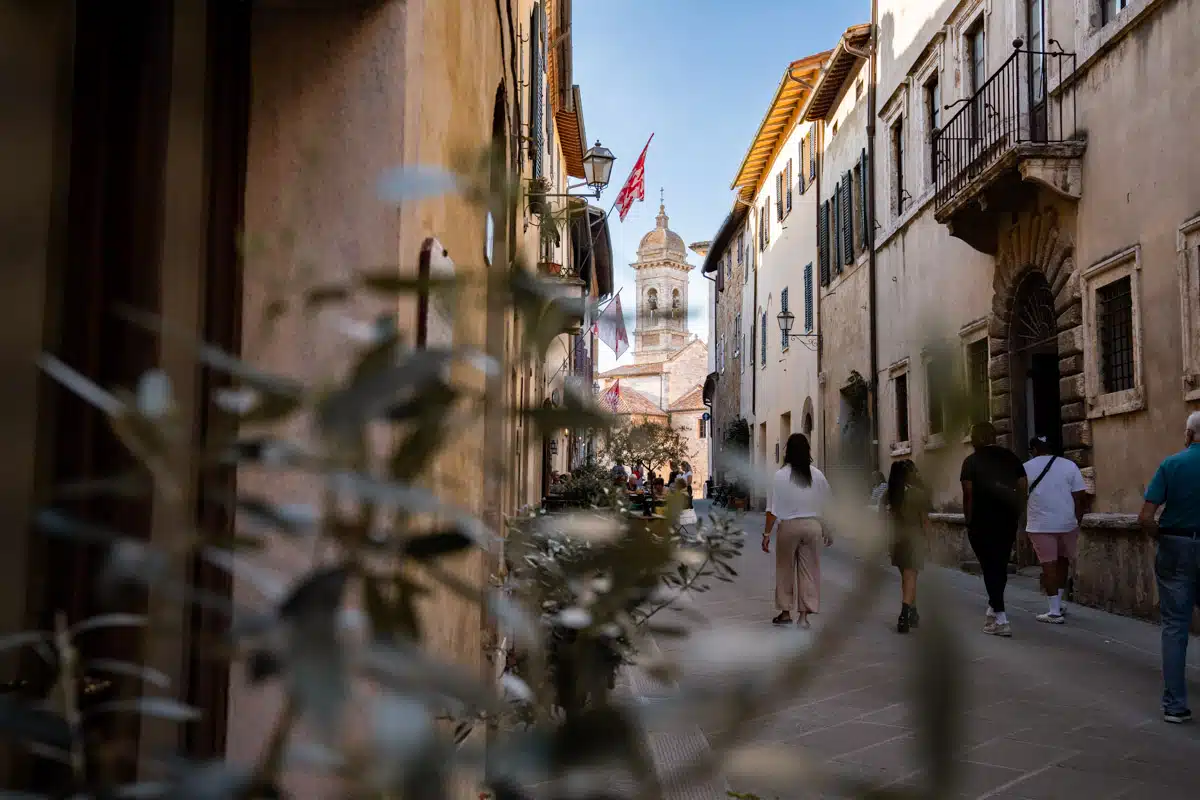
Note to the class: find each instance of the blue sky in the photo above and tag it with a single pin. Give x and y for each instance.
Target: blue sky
(698, 74)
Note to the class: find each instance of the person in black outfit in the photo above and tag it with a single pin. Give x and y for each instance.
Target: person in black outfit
(994, 491)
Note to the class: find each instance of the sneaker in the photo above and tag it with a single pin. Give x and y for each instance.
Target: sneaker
(1177, 717)
(996, 629)
(989, 614)
(783, 619)
(1053, 619)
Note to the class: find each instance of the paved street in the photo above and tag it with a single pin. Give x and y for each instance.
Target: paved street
(1055, 712)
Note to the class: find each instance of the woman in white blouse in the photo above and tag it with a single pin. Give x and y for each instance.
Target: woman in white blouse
(799, 495)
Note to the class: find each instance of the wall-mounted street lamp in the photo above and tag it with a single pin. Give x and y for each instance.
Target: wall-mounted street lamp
(786, 320)
(597, 171)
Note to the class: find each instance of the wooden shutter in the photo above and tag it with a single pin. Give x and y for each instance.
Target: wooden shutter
(536, 125)
(803, 161)
(823, 241)
(767, 224)
(789, 184)
(847, 218)
(779, 195)
(783, 306)
(812, 156)
(865, 217)
(835, 232)
(763, 338)
(720, 277)
(808, 298)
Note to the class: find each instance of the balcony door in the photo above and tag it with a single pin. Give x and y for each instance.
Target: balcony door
(1036, 27)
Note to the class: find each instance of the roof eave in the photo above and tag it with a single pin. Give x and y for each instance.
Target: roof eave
(733, 221)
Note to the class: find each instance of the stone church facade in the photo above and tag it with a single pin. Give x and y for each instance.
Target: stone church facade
(665, 381)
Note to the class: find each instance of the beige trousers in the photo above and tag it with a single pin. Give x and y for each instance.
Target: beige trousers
(798, 563)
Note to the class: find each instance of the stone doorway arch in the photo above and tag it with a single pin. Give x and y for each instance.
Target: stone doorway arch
(1037, 310)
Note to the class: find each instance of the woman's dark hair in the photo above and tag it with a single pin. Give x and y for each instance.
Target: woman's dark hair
(897, 483)
(798, 455)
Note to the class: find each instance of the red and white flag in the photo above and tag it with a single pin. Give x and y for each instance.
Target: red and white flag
(612, 396)
(611, 327)
(635, 184)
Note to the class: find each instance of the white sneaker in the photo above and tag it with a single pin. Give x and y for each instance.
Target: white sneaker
(1052, 619)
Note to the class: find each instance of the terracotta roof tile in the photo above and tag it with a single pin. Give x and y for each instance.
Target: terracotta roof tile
(692, 401)
(634, 402)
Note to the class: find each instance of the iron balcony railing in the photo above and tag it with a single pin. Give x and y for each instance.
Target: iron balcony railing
(1012, 107)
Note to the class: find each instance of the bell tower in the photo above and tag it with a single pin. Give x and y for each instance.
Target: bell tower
(661, 282)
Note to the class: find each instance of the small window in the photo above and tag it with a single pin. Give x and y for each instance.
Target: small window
(898, 167)
(935, 387)
(783, 307)
(737, 335)
(1110, 8)
(1114, 307)
(700, 432)
(933, 118)
(788, 180)
(976, 57)
(977, 380)
(741, 248)
(901, 391)
(779, 196)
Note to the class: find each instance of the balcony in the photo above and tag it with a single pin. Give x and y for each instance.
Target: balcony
(1009, 139)
(564, 283)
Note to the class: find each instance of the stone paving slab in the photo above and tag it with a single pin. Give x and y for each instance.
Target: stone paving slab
(1055, 712)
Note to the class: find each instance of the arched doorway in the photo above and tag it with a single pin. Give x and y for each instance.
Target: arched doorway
(1033, 364)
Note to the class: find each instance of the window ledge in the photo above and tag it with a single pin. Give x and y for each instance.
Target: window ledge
(934, 441)
(901, 449)
(1116, 403)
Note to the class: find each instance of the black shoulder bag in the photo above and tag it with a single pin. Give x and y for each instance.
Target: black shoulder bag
(1042, 474)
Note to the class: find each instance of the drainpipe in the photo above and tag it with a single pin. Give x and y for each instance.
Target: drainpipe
(873, 53)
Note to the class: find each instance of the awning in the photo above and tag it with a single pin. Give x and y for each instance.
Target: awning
(592, 250)
(731, 225)
(710, 388)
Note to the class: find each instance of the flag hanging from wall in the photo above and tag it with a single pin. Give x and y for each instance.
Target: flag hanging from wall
(612, 396)
(610, 327)
(635, 184)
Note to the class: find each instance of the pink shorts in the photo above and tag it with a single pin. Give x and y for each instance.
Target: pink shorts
(1053, 546)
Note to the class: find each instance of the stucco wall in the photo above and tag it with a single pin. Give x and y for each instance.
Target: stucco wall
(686, 370)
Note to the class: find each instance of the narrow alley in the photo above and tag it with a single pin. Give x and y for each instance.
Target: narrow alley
(1055, 712)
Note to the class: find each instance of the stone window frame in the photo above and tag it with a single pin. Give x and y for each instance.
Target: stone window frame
(973, 14)
(932, 67)
(897, 116)
(968, 335)
(1188, 252)
(900, 368)
(1126, 263)
(929, 440)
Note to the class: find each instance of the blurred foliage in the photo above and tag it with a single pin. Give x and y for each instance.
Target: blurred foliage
(347, 638)
(590, 486)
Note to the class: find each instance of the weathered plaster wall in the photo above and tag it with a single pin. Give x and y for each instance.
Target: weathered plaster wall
(728, 398)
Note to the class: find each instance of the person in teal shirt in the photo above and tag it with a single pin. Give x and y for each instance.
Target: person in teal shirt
(1176, 488)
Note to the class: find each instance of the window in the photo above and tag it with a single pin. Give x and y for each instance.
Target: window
(700, 428)
(1114, 309)
(935, 395)
(835, 231)
(976, 58)
(783, 306)
(977, 380)
(728, 259)
(803, 160)
(898, 167)
(788, 181)
(741, 247)
(1112, 342)
(763, 338)
(847, 219)
(900, 383)
(865, 234)
(737, 335)
(779, 196)
(812, 157)
(1188, 246)
(721, 354)
(750, 352)
(766, 225)
(1110, 8)
(823, 241)
(748, 357)
(933, 119)
(808, 298)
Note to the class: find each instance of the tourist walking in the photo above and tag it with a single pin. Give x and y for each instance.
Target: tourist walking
(993, 486)
(797, 500)
(879, 489)
(908, 507)
(1176, 486)
(687, 479)
(1057, 500)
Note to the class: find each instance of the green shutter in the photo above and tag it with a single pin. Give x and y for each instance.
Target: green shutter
(865, 217)
(847, 219)
(823, 241)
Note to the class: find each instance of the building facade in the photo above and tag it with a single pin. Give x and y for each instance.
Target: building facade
(776, 182)
(1019, 242)
(154, 135)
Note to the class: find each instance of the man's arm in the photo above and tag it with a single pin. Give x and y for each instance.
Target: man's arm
(1156, 496)
(1147, 518)
(966, 489)
(1081, 503)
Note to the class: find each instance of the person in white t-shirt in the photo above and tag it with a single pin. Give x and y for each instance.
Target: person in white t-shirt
(799, 495)
(1057, 499)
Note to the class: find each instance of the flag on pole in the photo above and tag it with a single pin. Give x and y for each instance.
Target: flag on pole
(612, 396)
(635, 184)
(611, 327)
